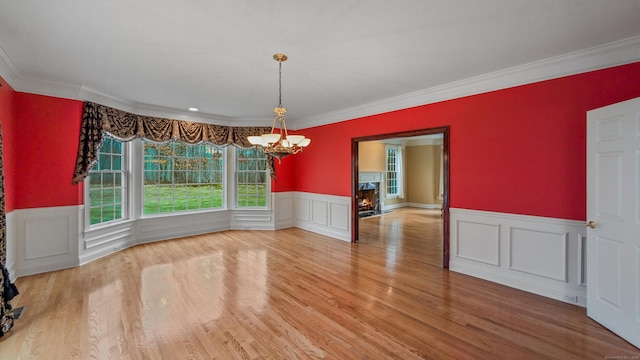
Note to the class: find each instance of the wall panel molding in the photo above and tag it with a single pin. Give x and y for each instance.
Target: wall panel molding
(284, 209)
(152, 229)
(328, 215)
(541, 255)
(478, 242)
(46, 239)
(526, 246)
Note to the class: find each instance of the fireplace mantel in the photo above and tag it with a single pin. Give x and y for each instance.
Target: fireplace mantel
(369, 176)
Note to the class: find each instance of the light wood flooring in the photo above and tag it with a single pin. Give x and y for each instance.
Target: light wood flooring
(412, 231)
(290, 294)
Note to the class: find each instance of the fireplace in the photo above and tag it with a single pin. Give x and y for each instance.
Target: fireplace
(369, 194)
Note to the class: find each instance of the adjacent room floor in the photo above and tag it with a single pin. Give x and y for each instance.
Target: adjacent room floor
(407, 230)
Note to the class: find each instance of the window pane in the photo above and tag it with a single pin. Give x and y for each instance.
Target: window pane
(106, 183)
(180, 150)
(107, 197)
(95, 216)
(95, 197)
(107, 180)
(104, 162)
(117, 163)
(182, 177)
(106, 146)
(251, 177)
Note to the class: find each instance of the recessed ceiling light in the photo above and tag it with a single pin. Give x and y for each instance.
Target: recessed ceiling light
(193, 109)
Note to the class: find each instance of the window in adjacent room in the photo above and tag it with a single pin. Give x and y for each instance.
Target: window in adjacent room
(394, 176)
(106, 192)
(252, 178)
(182, 177)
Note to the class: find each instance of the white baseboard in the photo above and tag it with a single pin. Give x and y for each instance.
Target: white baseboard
(425, 206)
(535, 254)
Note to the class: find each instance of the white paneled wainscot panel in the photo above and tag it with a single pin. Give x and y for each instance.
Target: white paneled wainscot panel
(328, 215)
(46, 239)
(283, 209)
(11, 245)
(478, 241)
(528, 246)
(154, 228)
(541, 255)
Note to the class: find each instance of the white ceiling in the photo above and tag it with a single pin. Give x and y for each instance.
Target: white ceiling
(346, 58)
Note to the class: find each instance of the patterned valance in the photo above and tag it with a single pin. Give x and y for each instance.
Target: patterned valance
(98, 119)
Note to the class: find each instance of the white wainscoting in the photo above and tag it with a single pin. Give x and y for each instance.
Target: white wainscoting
(157, 228)
(283, 207)
(328, 215)
(541, 255)
(46, 239)
(105, 240)
(11, 245)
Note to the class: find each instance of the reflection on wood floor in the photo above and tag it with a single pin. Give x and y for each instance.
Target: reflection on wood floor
(289, 294)
(405, 230)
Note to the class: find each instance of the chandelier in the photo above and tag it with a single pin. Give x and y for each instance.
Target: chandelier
(278, 143)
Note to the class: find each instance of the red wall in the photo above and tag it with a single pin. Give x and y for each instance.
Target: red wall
(520, 150)
(8, 121)
(46, 144)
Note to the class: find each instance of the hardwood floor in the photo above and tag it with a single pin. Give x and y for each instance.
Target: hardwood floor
(408, 230)
(289, 294)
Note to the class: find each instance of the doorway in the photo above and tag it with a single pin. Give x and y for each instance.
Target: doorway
(359, 203)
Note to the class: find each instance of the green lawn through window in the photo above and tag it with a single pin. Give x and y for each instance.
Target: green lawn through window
(160, 199)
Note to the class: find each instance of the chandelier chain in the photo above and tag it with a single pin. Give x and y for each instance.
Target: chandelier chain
(280, 83)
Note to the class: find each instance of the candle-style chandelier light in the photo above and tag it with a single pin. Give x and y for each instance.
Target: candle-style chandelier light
(278, 143)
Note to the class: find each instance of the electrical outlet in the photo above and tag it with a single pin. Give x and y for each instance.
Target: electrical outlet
(570, 298)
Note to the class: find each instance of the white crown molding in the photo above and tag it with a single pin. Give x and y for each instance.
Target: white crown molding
(163, 111)
(45, 87)
(600, 57)
(8, 70)
(612, 54)
(88, 94)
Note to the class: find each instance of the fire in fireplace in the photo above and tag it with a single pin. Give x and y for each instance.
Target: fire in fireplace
(368, 198)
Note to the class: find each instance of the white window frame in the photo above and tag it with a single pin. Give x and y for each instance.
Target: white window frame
(125, 193)
(236, 187)
(395, 172)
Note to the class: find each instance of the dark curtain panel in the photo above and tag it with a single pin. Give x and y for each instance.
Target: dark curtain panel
(91, 130)
(6, 316)
(97, 119)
